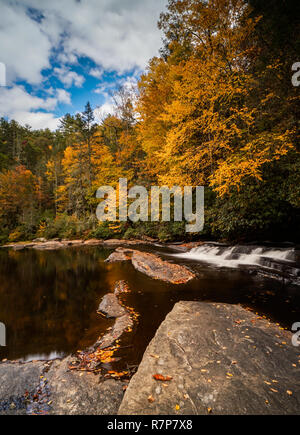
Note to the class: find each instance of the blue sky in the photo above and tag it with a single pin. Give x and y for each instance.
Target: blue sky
(61, 54)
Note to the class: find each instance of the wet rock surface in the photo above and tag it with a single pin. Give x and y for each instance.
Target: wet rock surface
(117, 256)
(222, 359)
(153, 266)
(157, 268)
(110, 306)
(120, 326)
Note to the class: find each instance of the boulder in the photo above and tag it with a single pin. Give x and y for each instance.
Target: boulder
(79, 392)
(17, 380)
(111, 307)
(156, 268)
(153, 266)
(216, 359)
(116, 256)
(120, 326)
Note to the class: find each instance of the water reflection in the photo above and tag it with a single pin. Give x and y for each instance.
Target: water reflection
(48, 300)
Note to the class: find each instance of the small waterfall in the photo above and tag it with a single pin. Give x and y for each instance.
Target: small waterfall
(282, 260)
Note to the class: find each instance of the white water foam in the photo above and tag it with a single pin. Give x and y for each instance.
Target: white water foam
(234, 256)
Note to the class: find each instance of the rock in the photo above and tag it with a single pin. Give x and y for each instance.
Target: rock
(111, 307)
(69, 392)
(17, 379)
(149, 239)
(119, 242)
(223, 359)
(117, 256)
(120, 326)
(157, 268)
(40, 240)
(72, 242)
(75, 392)
(184, 247)
(51, 245)
(153, 266)
(121, 287)
(114, 242)
(93, 242)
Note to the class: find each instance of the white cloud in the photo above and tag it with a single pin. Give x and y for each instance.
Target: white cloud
(37, 120)
(96, 72)
(117, 35)
(104, 110)
(63, 96)
(24, 48)
(68, 77)
(16, 103)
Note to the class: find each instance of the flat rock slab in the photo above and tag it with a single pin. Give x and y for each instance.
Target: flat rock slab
(69, 392)
(156, 268)
(152, 265)
(223, 359)
(16, 380)
(82, 393)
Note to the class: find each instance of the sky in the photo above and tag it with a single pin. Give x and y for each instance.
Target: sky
(59, 54)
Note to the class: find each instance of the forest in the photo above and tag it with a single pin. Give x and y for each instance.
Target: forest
(217, 108)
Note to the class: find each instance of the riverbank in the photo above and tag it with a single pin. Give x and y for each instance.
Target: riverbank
(205, 358)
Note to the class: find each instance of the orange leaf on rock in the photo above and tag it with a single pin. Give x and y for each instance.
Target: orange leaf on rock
(162, 378)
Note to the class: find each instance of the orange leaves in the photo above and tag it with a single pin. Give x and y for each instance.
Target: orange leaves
(19, 190)
(162, 378)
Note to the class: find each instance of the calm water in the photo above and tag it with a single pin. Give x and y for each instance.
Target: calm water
(48, 300)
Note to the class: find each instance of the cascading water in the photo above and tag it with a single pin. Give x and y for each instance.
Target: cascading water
(283, 261)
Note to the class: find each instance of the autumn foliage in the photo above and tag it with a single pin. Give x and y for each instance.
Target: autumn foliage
(216, 108)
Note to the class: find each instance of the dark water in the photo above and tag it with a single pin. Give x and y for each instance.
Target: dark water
(48, 300)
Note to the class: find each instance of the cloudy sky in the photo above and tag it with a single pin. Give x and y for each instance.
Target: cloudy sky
(61, 53)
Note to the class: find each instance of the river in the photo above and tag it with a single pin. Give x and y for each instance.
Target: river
(49, 299)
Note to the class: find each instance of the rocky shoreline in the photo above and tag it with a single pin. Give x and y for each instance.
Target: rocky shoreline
(77, 384)
(43, 244)
(206, 358)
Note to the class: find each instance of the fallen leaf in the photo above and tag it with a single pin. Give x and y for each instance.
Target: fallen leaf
(289, 392)
(162, 378)
(155, 356)
(151, 399)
